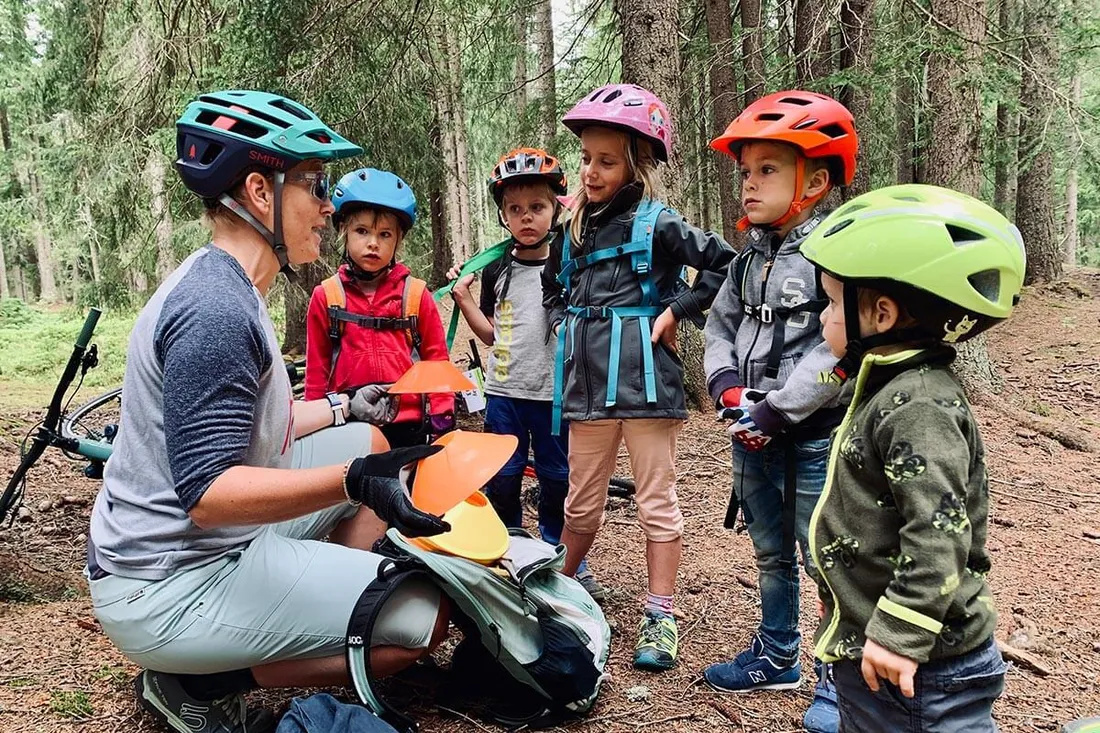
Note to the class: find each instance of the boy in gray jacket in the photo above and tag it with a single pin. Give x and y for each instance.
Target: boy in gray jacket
(764, 355)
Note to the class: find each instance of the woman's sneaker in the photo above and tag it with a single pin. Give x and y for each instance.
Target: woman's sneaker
(162, 696)
(658, 642)
(594, 587)
(753, 670)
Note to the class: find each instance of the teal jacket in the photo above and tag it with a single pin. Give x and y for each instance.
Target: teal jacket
(899, 532)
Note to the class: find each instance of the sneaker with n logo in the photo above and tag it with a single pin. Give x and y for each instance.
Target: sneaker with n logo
(752, 670)
(162, 696)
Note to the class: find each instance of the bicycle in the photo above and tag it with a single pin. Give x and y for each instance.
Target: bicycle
(87, 432)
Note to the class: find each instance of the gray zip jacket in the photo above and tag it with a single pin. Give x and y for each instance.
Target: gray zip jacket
(739, 345)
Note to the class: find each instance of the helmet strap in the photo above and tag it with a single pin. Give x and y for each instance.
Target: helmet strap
(274, 239)
(859, 345)
(798, 205)
(361, 275)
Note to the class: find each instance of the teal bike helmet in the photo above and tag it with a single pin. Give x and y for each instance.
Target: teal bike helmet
(223, 136)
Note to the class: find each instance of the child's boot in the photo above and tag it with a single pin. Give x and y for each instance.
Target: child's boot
(753, 670)
(823, 716)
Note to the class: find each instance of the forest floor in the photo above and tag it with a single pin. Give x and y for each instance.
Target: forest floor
(58, 672)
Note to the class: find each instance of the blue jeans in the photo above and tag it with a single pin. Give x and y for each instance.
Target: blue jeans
(950, 695)
(530, 421)
(758, 482)
(322, 713)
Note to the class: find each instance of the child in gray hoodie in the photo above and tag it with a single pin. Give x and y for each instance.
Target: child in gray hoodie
(764, 357)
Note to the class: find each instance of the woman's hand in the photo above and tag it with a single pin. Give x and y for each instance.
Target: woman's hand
(664, 330)
(374, 480)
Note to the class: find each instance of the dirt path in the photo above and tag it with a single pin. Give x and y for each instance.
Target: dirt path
(59, 673)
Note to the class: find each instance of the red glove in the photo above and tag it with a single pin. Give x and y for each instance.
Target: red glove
(740, 397)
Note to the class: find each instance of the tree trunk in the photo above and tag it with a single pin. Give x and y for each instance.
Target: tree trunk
(442, 253)
(723, 95)
(857, 18)
(752, 50)
(1004, 167)
(162, 217)
(784, 11)
(454, 58)
(522, 15)
(545, 85)
(1072, 234)
(4, 291)
(1035, 189)
(93, 247)
(706, 157)
(296, 295)
(43, 247)
(954, 153)
(811, 41)
(651, 58)
(906, 131)
(448, 123)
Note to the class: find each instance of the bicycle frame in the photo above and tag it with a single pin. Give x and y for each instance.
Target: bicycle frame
(82, 358)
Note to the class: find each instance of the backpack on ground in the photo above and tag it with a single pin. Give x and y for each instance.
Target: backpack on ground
(533, 637)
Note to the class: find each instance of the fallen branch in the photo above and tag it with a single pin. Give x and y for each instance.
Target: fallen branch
(1025, 659)
(1069, 437)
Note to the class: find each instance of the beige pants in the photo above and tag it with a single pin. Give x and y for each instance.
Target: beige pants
(651, 444)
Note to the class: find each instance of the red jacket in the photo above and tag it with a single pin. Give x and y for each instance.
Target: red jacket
(370, 356)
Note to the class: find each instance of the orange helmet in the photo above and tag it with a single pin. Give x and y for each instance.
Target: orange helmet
(817, 125)
(526, 164)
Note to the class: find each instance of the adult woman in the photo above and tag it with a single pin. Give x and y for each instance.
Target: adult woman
(204, 561)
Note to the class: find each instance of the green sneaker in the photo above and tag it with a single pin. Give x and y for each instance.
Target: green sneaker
(658, 642)
(162, 696)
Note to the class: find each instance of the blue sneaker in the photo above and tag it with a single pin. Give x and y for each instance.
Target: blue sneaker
(823, 716)
(753, 670)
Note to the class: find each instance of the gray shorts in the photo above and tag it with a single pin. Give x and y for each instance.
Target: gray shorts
(285, 596)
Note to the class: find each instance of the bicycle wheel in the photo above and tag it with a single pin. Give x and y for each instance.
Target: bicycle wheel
(96, 420)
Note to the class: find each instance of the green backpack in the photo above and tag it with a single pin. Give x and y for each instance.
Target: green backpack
(541, 635)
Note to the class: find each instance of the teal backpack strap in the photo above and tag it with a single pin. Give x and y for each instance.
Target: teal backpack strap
(477, 263)
(559, 352)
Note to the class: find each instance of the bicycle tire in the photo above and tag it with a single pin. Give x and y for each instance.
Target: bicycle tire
(73, 418)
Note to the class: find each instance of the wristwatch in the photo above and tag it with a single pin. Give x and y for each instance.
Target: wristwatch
(337, 408)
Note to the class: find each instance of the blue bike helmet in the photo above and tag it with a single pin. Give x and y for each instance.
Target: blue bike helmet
(222, 136)
(372, 188)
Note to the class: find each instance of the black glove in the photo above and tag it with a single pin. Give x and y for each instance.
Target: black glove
(374, 480)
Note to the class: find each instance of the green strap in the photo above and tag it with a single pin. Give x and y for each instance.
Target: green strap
(477, 263)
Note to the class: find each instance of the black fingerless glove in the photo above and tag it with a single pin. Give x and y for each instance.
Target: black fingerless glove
(374, 480)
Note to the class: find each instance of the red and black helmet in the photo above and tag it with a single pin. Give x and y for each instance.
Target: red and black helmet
(526, 165)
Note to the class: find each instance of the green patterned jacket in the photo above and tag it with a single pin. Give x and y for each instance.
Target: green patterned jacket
(899, 532)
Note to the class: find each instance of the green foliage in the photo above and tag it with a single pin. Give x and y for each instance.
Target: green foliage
(35, 349)
(71, 704)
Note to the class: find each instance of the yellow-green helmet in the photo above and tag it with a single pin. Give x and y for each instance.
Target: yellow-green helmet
(954, 263)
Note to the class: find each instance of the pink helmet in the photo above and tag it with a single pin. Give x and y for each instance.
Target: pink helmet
(628, 107)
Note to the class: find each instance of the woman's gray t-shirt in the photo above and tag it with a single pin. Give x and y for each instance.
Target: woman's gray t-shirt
(205, 390)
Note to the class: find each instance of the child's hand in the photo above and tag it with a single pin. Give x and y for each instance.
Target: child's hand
(820, 609)
(452, 274)
(879, 661)
(461, 290)
(664, 330)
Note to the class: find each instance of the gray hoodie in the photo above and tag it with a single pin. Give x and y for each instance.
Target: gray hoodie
(738, 345)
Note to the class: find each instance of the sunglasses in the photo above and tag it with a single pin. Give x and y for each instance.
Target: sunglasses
(318, 180)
